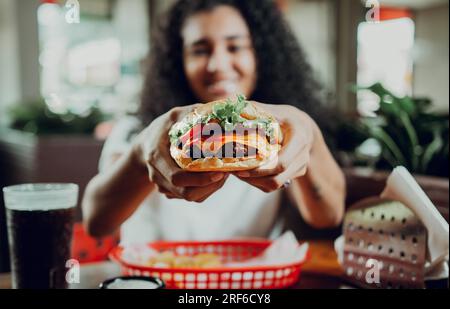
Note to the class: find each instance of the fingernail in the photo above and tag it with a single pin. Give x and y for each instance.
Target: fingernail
(217, 177)
(243, 174)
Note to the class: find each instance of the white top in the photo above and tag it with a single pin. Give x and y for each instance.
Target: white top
(236, 210)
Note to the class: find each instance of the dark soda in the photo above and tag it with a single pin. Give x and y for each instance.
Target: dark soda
(40, 242)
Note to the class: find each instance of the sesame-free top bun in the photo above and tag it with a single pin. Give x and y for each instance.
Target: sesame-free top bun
(211, 164)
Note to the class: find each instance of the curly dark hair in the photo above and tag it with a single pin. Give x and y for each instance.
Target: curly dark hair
(284, 76)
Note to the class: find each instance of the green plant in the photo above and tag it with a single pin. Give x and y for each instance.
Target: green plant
(36, 117)
(408, 133)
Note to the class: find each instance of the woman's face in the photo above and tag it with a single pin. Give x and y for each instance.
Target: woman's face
(219, 60)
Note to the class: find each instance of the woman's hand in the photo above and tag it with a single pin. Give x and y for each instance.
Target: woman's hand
(293, 158)
(152, 148)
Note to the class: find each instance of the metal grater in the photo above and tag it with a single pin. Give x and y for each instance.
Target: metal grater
(384, 235)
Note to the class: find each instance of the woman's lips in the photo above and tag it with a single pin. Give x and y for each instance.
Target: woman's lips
(223, 87)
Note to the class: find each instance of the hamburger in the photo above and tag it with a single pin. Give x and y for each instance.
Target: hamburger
(227, 135)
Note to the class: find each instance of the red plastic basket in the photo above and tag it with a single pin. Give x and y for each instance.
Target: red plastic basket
(267, 277)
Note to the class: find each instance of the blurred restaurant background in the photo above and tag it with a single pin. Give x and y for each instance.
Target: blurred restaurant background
(64, 81)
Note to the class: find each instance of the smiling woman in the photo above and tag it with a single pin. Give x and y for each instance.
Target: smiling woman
(217, 50)
(219, 59)
(224, 47)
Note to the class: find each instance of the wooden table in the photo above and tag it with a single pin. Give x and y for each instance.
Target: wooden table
(322, 271)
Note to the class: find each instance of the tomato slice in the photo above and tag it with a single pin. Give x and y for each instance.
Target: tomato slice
(194, 132)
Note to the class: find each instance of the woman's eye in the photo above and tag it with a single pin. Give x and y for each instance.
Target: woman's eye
(235, 48)
(200, 52)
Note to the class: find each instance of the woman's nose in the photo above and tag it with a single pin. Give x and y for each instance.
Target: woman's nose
(219, 61)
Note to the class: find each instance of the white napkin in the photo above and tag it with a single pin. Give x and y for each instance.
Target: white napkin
(402, 187)
(284, 250)
(138, 254)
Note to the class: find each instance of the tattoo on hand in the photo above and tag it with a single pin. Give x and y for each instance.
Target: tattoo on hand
(317, 191)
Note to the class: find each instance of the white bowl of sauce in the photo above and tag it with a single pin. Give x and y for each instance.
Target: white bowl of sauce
(133, 282)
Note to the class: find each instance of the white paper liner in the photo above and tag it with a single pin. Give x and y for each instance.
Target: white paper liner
(284, 250)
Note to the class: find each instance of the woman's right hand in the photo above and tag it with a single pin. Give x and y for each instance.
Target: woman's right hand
(152, 149)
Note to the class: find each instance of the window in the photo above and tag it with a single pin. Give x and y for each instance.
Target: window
(94, 62)
(385, 55)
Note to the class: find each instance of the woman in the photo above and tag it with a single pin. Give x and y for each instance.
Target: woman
(208, 50)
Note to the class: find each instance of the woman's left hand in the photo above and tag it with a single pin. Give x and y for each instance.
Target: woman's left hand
(293, 158)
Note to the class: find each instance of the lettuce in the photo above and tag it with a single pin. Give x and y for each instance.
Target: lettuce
(228, 113)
